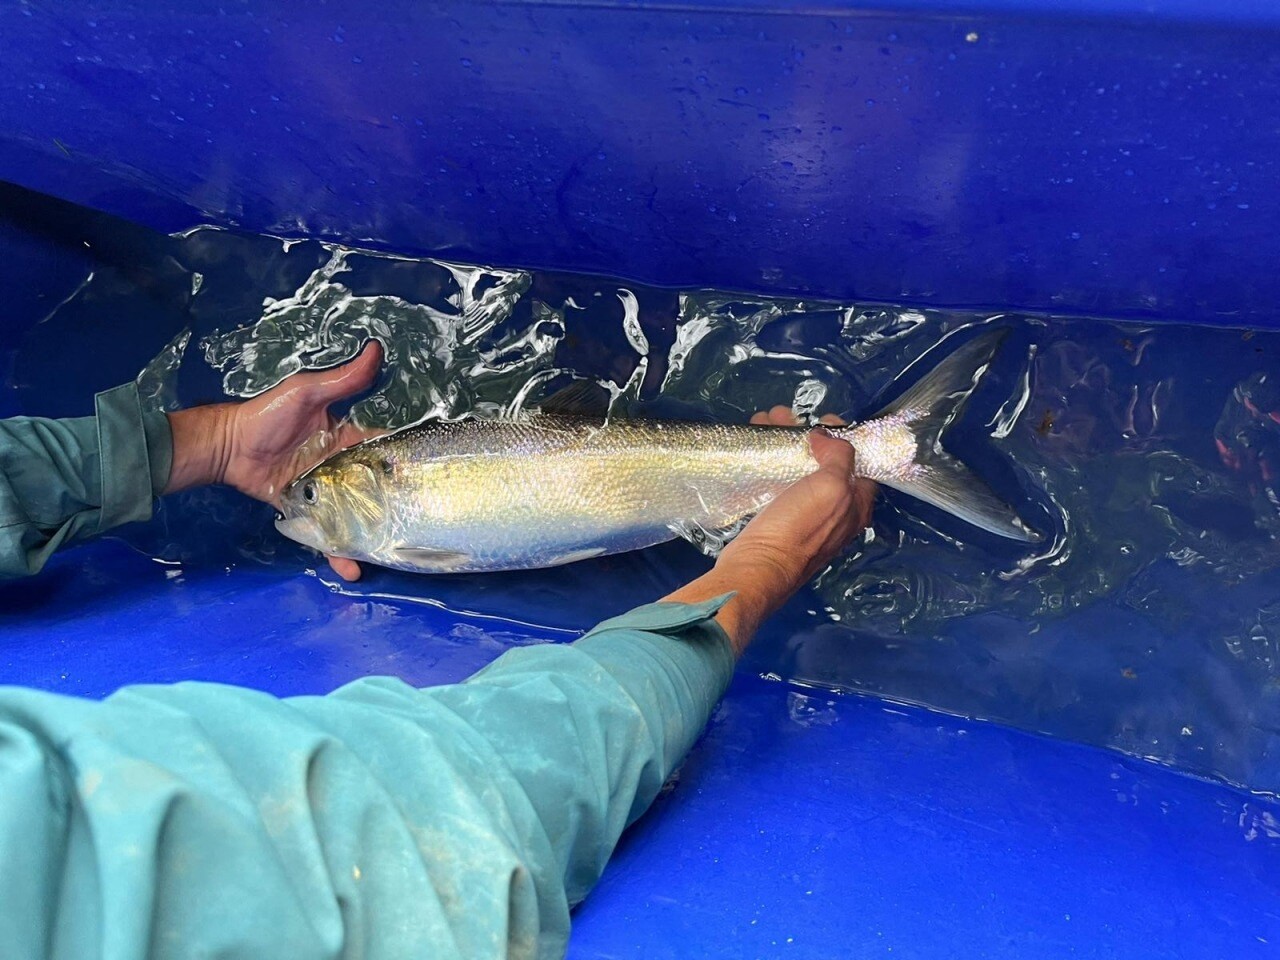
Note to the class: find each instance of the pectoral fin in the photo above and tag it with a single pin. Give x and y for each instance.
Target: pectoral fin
(429, 559)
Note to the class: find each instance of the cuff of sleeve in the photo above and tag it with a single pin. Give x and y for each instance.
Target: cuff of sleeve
(679, 641)
(126, 442)
(662, 616)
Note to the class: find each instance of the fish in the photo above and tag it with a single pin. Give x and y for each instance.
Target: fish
(562, 484)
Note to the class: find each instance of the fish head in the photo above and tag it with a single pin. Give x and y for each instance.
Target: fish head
(339, 506)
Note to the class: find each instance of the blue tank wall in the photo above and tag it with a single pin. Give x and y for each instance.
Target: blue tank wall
(1097, 158)
(1112, 157)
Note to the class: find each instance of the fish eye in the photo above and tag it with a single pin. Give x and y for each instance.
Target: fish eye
(309, 492)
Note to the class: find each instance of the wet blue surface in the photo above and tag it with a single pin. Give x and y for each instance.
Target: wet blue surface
(1103, 157)
(811, 827)
(1147, 622)
(1110, 157)
(103, 615)
(803, 824)
(1147, 625)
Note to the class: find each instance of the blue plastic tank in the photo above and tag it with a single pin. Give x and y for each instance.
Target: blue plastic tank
(1085, 162)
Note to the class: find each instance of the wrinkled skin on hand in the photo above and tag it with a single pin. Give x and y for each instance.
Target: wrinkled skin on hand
(797, 534)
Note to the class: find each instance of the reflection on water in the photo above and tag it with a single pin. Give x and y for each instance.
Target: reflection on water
(449, 351)
(1148, 619)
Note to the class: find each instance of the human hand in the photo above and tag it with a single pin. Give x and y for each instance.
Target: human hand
(802, 530)
(284, 432)
(811, 522)
(259, 446)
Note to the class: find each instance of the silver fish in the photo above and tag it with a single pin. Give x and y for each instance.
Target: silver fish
(551, 488)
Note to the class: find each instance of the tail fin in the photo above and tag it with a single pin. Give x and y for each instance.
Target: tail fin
(929, 407)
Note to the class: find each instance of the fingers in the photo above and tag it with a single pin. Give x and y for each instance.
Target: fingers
(348, 570)
(778, 416)
(831, 453)
(783, 416)
(348, 379)
(836, 457)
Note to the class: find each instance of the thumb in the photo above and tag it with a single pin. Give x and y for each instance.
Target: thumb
(831, 452)
(350, 378)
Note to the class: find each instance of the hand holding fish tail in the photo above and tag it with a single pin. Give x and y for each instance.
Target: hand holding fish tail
(806, 527)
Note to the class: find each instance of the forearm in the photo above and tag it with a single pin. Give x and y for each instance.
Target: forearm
(786, 545)
(233, 824)
(760, 586)
(592, 730)
(201, 447)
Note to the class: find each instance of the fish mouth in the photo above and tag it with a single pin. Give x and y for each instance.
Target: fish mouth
(302, 530)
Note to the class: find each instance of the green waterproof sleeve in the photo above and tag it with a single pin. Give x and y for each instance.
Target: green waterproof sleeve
(66, 480)
(378, 821)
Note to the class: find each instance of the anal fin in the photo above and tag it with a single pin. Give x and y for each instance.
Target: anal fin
(588, 553)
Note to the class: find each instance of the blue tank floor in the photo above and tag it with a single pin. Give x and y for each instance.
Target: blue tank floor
(802, 824)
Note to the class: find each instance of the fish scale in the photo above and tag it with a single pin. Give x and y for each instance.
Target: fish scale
(565, 487)
(547, 489)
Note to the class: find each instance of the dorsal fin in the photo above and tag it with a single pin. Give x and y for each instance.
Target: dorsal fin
(582, 398)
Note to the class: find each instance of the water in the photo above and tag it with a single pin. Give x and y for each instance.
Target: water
(1148, 619)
